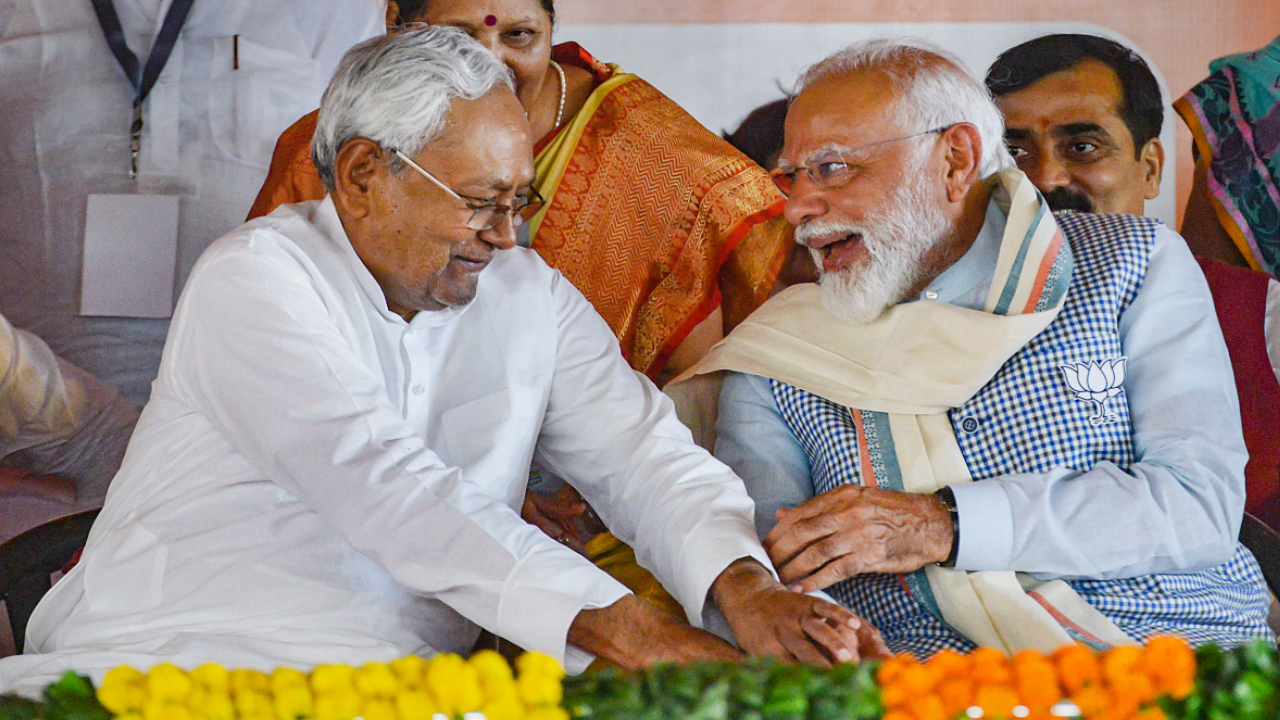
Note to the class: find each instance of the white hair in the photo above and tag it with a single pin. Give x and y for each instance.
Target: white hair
(396, 91)
(931, 94)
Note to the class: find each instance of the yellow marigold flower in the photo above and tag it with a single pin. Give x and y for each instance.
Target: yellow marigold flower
(454, 684)
(535, 690)
(338, 705)
(130, 716)
(210, 705)
(416, 705)
(503, 708)
(211, 677)
(168, 682)
(165, 710)
(333, 678)
(536, 663)
(378, 709)
(410, 670)
(259, 716)
(287, 678)
(248, 681)
(547, 713)
(376, 680)
(252, 702)
(293, 703)
(123, 690)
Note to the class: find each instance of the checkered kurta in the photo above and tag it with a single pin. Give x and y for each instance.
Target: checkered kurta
(1026, 420)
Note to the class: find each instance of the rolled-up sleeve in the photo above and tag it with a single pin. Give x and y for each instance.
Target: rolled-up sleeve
(611, 433)
(264, 361)
(1178, 508)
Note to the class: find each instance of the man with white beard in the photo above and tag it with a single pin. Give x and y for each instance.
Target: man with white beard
(961, 332)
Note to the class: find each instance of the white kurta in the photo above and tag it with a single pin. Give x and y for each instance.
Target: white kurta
(316, 480)
(241, 72)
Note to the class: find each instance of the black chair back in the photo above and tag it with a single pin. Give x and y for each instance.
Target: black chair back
(28, 561)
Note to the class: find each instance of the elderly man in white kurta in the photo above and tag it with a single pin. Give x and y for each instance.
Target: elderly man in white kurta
(351, 394)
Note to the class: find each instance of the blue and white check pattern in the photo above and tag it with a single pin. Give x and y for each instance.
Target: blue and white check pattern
(1027, 420)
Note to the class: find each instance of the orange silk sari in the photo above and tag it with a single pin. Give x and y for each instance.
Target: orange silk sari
(654, 218)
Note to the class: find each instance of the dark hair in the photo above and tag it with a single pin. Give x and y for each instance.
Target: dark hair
(412, 10)
(759, 137)
(1141, 108)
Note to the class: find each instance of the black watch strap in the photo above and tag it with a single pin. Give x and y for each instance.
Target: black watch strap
(948, 498)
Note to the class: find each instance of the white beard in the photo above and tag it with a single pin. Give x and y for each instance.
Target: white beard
(897, 236)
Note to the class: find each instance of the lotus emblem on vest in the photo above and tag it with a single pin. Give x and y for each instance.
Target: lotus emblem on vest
(1097, 382)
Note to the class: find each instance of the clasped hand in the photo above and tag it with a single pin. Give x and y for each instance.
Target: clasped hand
(853, 530)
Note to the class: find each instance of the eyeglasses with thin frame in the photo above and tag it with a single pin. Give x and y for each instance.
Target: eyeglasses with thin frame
(490, 214)
(828, 169)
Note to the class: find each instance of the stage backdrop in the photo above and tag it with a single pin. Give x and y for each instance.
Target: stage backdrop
(721, 58)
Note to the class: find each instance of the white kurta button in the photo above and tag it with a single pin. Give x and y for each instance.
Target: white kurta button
(930, 295)
(418, 389)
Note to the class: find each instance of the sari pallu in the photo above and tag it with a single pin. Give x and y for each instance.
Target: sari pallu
(654, 218)
(1234, 118)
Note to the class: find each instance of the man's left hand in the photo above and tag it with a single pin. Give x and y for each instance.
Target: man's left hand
(852, 530)
(768, 619)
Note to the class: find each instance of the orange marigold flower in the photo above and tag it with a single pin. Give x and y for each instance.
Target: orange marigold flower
(897, 715)
(988, 666)
(1077, 666)
(956, 694)
(893, 667)
(928, 707)
(1136, 688)
(894, 696)
(915, 680)
(1171, 664)
(996, 700)
(1119, 662)
(1092, 700)
(1036, 679)
(948, 663)
(1152, 713)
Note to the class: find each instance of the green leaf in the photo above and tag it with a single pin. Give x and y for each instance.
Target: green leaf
(13, 707)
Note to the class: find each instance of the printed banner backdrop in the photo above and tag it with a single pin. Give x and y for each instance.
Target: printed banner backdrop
(1181, 36)
(719, 72)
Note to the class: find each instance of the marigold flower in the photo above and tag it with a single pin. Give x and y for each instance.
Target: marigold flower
(948, 663)
(894, 696)
(1120, 662)
(337, 705)
(503, 708)
(1036, 679)
(376, 680)
(536, 663)
(454, 684)
(915, 680)
(287, 678)
(213, 678)
(897, 715)
(208, 704)
(333, 678)
(927, 707)
(168, 682)
(165, 710)
(253, 702)
(416, 705)
(293, 702)
(378, 708)
(1077, 667)
(1133, 689)
(1092, 699)
(409, 671)
(956, 694)
(996, 700)
(1171, 663)
(893, 667)
(249, 681)
(123, 690)
(989, 666)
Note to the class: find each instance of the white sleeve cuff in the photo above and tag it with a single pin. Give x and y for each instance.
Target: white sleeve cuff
(986, 526)
(535, 613)
(708, 550)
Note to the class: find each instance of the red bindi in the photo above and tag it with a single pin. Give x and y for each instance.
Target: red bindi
(490, 20)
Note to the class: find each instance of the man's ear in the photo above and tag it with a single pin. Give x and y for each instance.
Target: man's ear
(963, 154)
(358, 162)
(393, 14)
(1152, 159)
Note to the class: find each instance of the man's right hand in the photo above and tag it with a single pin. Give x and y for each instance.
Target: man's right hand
(633, 634)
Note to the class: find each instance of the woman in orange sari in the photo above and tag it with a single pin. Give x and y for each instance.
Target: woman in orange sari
(655, 219)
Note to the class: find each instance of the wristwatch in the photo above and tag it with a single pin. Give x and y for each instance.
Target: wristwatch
(948, 498)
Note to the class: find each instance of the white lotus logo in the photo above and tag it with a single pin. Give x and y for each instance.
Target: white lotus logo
(1097, 382)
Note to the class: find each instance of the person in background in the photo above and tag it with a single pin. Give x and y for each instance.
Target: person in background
(1082, 119)
(1232, 222)
(239, 73)
(331, 464)
(982, 427)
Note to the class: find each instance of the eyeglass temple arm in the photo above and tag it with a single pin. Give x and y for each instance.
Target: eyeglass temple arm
(428, 175)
